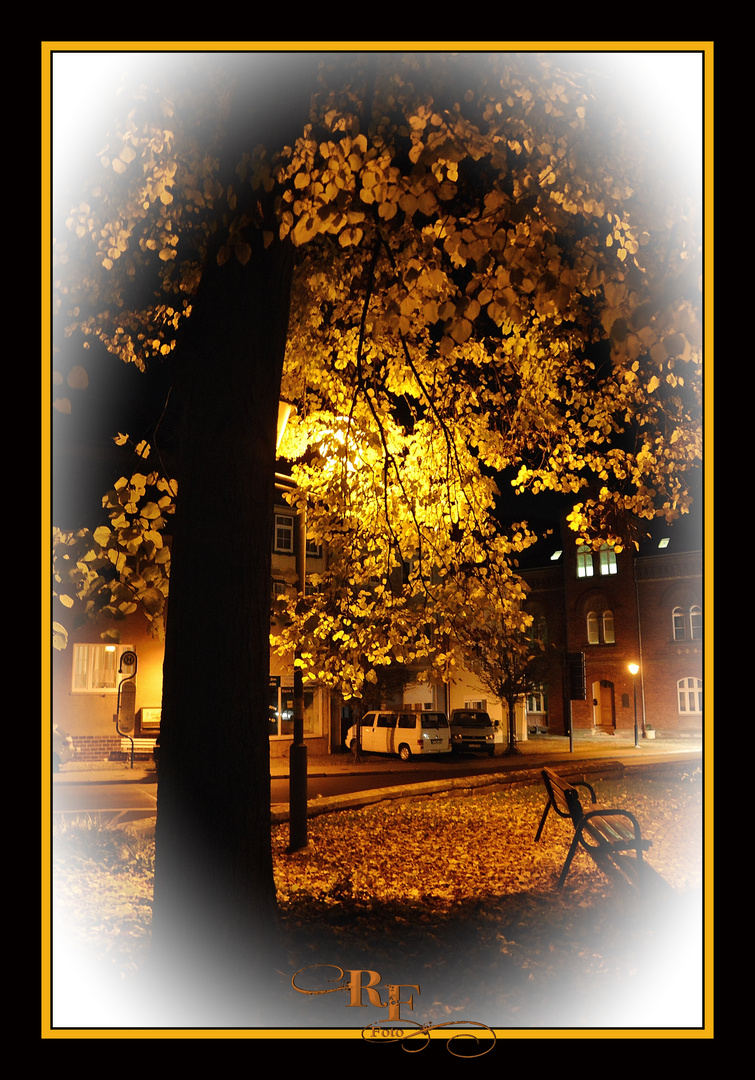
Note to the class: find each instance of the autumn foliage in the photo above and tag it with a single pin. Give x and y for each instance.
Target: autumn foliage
(471, 275)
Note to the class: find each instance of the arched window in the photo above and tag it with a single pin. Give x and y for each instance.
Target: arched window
(584, 561)
(600, 629)
(538, 630)
(687, 624)
(690, 693)
(608, 563)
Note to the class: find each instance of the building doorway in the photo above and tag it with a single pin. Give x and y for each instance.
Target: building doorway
(603, 705)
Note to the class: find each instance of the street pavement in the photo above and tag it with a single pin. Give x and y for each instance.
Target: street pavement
(596, 752)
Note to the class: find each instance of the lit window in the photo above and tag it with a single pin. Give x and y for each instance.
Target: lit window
(600, 628)
(284, 533)
(95, 668)
(281, 710)
(480, 706)
(690, 696)
(584, 561)
(537, 701)
(607, 560)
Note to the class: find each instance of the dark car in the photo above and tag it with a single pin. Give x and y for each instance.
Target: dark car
(472, 729)
(62, 747)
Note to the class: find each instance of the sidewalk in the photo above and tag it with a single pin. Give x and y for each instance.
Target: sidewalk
(534, 752)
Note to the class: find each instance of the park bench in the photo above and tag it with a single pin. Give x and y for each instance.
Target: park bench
(141, 746)
(603, 832)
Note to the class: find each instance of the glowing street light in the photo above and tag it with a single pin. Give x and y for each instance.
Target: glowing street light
(297, 784)
(634, 668)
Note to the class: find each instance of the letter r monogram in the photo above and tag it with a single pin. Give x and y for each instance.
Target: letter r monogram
(356, 988)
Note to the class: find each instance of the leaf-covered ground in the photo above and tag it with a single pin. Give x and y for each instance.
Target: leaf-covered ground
(453, 895)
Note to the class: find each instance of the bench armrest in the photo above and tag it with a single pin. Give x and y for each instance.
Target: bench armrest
(584, 784)
(602, 813)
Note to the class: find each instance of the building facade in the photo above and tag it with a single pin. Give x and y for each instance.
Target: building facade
(611, 609)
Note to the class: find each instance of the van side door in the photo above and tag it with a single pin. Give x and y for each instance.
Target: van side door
(367, 733)
(385, 732)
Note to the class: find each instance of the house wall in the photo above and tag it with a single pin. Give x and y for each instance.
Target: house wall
(642, 596)
(663, 585)
(88, 716)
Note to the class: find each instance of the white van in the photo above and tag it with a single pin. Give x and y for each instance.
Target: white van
(402, 733)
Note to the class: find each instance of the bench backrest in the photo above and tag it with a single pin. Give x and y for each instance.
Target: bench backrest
(564, 798)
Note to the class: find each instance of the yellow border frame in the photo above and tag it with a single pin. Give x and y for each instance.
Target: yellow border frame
(48, 48)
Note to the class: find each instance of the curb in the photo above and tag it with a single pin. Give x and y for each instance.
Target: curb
(609, 768)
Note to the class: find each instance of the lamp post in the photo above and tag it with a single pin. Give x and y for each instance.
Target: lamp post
(297, 783)
(634, 668)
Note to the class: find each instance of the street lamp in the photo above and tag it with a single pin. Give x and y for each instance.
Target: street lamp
(634, 668)
(297, 783)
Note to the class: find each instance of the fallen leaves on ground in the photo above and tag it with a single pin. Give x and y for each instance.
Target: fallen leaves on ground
(453, 894)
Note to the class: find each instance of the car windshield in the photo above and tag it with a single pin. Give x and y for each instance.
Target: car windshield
(472, 720)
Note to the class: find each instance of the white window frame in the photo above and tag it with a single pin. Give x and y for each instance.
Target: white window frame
(600, 628)
(91, 659)
(608, 564)
(690, 696)
(314, 550)
(584, 561)
(284, 525)
(537, 702)
(687, 625)
(477, 706)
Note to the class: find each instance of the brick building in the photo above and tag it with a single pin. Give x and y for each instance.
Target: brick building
(613, 609)
(616, 609)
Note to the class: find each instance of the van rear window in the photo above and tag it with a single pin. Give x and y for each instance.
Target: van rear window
(434, 720)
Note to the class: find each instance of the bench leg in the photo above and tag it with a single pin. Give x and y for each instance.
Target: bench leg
(542, 821)
(567, 864)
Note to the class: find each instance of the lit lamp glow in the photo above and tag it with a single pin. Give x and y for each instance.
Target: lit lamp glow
(297, 784)
(634, 668)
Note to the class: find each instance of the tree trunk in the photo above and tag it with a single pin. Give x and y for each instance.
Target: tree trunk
(511, 748)
(214, 924)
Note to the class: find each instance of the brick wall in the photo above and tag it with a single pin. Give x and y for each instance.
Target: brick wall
(96, 747)
(641, 597)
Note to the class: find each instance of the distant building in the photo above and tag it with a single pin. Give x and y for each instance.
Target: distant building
(609, 610)
(613, 609)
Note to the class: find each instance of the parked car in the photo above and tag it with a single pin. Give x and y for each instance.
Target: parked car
(62, 747)
(472, 729)
(402, 733)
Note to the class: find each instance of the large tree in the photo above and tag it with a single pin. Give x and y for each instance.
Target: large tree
(459, 267)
